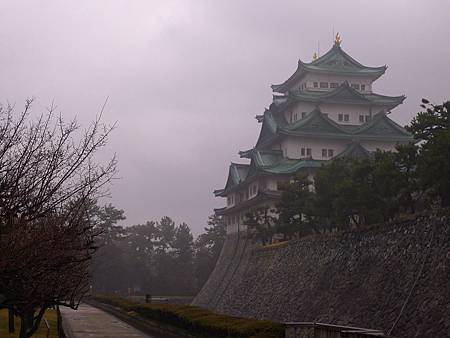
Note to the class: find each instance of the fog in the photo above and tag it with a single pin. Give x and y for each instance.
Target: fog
(184, 79)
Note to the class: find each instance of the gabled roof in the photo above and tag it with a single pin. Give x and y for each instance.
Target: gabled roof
(270, 124)
(237, 173)
(335, 61)
(343, 94)
(354, 150)
(313, 124)
(382, 126)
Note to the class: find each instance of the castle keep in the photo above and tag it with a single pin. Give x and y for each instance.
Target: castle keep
(325, 109)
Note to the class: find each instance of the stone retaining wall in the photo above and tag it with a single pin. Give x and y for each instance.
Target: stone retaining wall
(374, 277)
(208, 292)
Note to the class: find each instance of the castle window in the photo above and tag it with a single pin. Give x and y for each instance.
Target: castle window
(327, 153)
(363, 87)
(340, 117)
(308, 151)
(346, 117)
(316, 85)
(355, 86)
(334, 85)
(324, 85)
(361, 118)
(303, 115)
(302, 152)
(279, 185)
(295, 116)
(367, 118)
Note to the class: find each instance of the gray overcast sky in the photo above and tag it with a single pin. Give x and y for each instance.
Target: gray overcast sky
(186, 78)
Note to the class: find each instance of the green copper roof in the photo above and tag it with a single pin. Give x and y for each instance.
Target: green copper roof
(314, 123)
(270, 125)
(382, 126)
(265, 162)
(354, 150)
(343, 94)
(288, 166)
(262, 195)
(237, 173)
(335, 61)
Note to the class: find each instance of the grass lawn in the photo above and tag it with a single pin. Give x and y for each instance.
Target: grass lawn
(50, 315)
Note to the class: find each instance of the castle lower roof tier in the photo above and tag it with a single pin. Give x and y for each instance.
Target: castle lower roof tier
(272, 162)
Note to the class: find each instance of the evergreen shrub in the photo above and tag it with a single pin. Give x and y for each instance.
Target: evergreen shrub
(198, 321)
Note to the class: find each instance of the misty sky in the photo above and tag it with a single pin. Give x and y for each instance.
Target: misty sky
(186, 78)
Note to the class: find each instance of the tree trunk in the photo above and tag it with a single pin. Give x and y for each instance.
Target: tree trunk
(26, 322)
(29, 323)
(11, 327)
(445, 199)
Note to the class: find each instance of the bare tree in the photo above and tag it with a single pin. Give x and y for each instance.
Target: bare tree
(48, 178)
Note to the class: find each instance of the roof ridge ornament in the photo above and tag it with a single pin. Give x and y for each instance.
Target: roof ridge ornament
(337, 40)
(315, 56)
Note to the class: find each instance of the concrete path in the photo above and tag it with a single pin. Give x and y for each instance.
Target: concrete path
(90, 322)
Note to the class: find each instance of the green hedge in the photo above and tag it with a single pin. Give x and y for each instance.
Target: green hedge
(198, 321)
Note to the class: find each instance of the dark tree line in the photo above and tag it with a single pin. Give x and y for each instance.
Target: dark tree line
(158, 258)
(351, 192)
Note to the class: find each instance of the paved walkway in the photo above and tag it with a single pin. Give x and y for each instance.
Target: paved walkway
(90, 322)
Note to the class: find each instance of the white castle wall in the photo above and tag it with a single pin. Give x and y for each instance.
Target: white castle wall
(292, 146)
(309, 80)
(299, 108)
(333, 111)
(354, 111)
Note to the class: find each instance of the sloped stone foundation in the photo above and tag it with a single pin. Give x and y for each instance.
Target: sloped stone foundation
(394, 276)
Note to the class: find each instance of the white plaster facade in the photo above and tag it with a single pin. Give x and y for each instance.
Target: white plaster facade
(312, 81)
(292, 147)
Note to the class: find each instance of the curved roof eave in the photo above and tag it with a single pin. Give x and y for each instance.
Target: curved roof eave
(234, 178)
(389, 102)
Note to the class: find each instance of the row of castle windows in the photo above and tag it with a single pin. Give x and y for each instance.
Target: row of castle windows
(364, 118)
(327, 153)
(294, 116)
(341, 117)
(333, 85)
(241, 196)
(307, 152)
